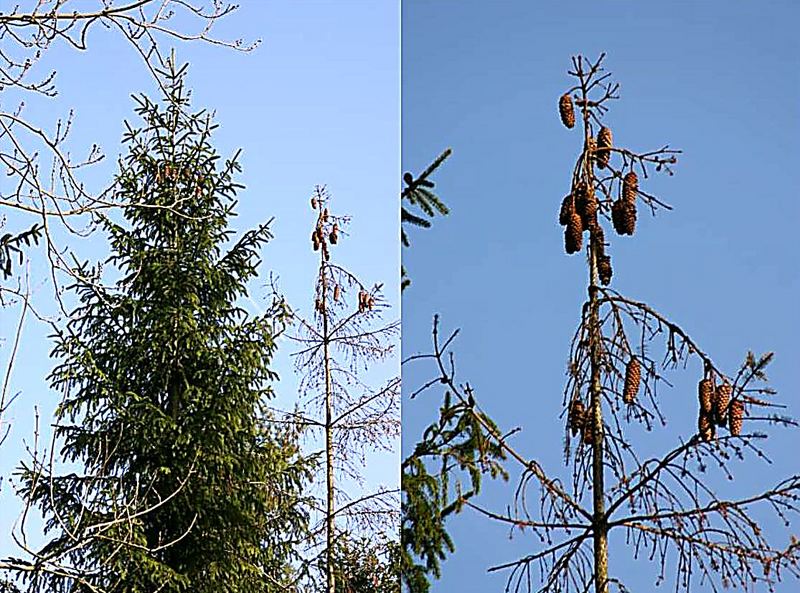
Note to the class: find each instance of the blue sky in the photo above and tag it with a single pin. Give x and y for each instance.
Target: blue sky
(316, 103)
(715, 79)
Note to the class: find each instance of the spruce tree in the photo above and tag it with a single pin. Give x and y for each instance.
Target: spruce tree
(184, 483)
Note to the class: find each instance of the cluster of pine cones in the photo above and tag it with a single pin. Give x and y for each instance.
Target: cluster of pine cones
(717, 409)
(579, 421)
(365, 301)
(578, 214)
(319, 238)
(579, 209)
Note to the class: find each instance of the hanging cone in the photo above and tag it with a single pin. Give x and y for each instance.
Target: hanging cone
(573, 235)
(736, 417)
(705, 393)
(567, 208)
(566, 110)
(633, 375)
(370, 303)
(586, 205)
(334, 236)
(705, 427)
(314, 203)
(315, 241)
(325, 215)
(360, 301)
(623, 216)
(722, 397)
(604, 269)
(337, 292)
(577, 416)
(604, 142)
(630, 187)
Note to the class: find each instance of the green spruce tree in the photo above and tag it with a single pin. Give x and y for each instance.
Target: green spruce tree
(184, 483)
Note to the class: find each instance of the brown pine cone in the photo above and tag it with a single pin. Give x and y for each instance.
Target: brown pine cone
(623, 216)
(573, 235)
(314, 203)
(705, 393)
(736, 417)
(630, 187)
(577, 416)
(633, 375)
(604, 142)
(588, 208)
(567, 208)
(337, 292)
(604, 269)
(722, 397)
(315, 241)
(705, 427)
(334, 235)
(566, 110)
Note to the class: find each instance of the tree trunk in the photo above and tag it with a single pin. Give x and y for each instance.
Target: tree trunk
(329, 485)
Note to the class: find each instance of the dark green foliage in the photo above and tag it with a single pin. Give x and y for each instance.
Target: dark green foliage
(184, 483)
(10, 246)
(419, 203)
(367, 565)
(464, 444)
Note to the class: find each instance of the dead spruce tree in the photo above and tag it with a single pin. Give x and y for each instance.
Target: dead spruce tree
(339, 347)
(669, 507)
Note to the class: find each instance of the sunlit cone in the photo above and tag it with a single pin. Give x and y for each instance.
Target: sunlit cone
(577, 416)
(604, 269)
(315, 241)
(586, 205)
(633, 375)
(604, 142)
(736, 417)
(566, 110)
(722, 397)
(337, 292)
(573, 235)
(705, 394)
(705, 427)
(370, 303)
(325, 214)
(630, 187)
(334, 236)
(567, 208)
(314, 203)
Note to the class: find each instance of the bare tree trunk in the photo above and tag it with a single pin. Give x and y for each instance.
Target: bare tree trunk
(330, 582)
(596, 413)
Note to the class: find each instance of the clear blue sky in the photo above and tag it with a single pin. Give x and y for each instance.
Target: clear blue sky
(317, 103)
(718, 80)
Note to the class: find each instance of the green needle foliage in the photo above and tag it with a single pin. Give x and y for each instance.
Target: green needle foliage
(418, 203)
(184, 483)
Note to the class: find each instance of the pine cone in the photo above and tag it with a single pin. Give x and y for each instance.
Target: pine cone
(705, 393)
(587, 206)
(604, 269)
(334, 236)
(604, 142)
(722, 397)
(567, 208)
(623, 216)
(314, 203)
(315, 240)
(736, 417)
(566, 110)
(705, 427)
(337, 292)
(630, 187)
(633, 375)
(573, 235)
(577, 416)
